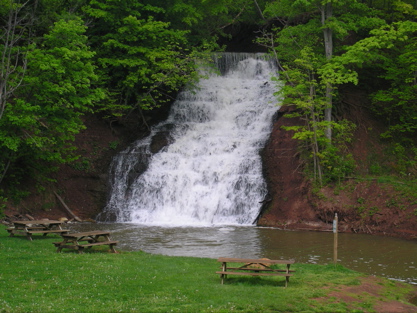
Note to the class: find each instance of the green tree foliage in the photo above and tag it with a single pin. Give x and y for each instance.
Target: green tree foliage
(205, 18)
(15, 19)
(139, 53)
(392, 49)
(303, 89)
(303, 46)
(142, 60)
(45, 114)
(375, 37)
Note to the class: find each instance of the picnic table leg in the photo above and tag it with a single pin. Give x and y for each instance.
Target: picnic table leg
(223, 276)
(287, 278)
(28, 236)
(61, 245)
(113, 250)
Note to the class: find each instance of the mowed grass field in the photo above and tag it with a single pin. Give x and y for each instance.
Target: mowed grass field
(34, 278)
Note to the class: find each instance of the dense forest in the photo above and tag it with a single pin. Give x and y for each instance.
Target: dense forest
(64, 61)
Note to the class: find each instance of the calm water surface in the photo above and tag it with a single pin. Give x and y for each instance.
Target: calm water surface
(383, 256)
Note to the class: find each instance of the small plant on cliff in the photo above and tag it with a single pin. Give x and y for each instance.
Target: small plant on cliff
(361, 200)
(114, 144)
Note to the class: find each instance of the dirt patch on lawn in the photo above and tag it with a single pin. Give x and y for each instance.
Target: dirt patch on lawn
(369, 296)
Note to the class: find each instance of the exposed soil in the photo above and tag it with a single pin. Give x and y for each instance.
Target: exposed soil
(369, 292)
(363, 206)
(289, 204)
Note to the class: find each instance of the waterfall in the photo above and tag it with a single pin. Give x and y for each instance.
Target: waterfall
(210, 173)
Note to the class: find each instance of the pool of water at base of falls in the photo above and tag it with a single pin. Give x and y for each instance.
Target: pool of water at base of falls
(375, 255)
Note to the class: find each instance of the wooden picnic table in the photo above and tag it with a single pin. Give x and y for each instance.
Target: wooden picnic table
(80, 241)
(254, 267)
(29, 228)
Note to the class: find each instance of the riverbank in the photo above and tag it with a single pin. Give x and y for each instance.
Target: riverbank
(36, 279)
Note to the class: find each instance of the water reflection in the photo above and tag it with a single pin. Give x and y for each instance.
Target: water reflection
(383, 256)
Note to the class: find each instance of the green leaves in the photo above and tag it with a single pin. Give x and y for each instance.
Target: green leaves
(367, 47)
(56, 91)
(142, 59)
(130, 49)
(392, 49)
(313, 65)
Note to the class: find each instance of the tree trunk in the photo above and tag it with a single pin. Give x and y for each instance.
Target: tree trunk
(16, 29)
(326, 14)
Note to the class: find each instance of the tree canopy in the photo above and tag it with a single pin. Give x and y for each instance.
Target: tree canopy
(322, 45)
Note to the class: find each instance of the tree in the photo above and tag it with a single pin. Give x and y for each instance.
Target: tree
(143, 61)
(326, 9)
(305, 43)
(392, 49)
(16, 20)
(45, 113)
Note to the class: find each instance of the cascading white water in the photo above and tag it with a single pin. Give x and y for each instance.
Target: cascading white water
(211, 172)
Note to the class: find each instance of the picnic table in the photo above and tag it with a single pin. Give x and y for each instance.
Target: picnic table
(29, 228)
(89, 239)
(254, 267)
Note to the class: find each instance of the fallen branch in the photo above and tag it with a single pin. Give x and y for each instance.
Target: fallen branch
(67, 208)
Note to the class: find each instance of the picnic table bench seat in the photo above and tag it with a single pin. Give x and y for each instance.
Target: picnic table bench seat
(80, 247)
(259, 269)
(255, 267)
(100, 243)
(255, 273)
(80, 241)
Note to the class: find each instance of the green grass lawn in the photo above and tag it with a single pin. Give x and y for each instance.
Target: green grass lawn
(34, 278)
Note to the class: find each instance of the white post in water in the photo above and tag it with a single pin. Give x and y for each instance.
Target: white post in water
(335, 221)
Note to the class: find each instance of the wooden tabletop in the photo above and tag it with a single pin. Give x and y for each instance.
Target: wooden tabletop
(87, 233)
(266, 261)
(41, 222)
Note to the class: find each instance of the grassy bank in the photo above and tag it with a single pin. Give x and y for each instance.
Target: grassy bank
(34, 278)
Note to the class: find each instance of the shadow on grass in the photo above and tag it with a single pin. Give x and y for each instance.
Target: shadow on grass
(89, 251)
(34, 238)
(255, 281)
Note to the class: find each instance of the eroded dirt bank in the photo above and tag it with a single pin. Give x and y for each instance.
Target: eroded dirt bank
(363, 206)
